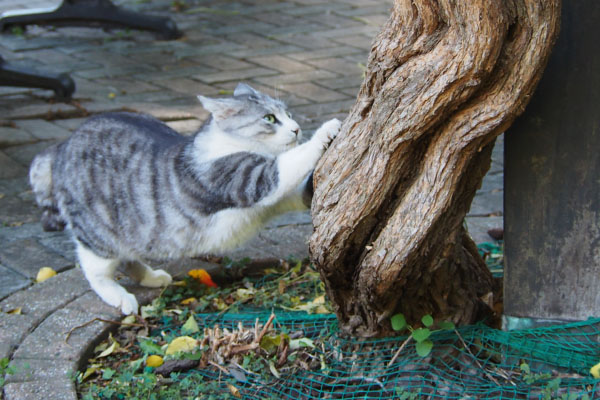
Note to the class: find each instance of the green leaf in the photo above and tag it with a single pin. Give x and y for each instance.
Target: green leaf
(424, 348)
(525, 368)
(190, 326)
(149, 347)
(108, 373)
(398, 322)
(421, 334)
(448, 325)
(427, 320)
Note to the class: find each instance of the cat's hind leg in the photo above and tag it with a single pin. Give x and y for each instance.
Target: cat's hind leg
(100, 272)
(147, 276)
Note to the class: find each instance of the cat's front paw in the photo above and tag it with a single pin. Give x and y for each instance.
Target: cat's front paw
(128, 304)
(156, 278)
(328, 131)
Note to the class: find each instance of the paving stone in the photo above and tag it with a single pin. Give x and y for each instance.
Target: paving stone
(48, 341)
(13, 328)
(14, 186)
(11, 281)
(13, 136)
(51, 389)
(39, 110)
(15, 211)
(478, 227)
(9, 168)
(27, 256)
(38, 369)
(281, 63)
(24, 154)
(329, 52)
(297, 77)
(43, 298)
(313, 92)
(234, 75)
(186, 126)
(340, 66)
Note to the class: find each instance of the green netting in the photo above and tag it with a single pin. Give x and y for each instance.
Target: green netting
(477, 363)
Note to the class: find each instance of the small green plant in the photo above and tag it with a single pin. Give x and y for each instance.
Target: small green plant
(421, 336)
(5, 369)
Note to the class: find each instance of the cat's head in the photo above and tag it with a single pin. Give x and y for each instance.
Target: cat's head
(255, 119)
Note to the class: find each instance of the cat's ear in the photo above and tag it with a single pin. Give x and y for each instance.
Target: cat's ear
(243, 89)
(219, 108)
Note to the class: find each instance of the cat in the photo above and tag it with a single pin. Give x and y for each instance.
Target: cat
(128, 188)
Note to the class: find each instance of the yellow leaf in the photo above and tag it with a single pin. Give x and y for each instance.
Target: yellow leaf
(91, 370)
(595, 371)
(112, 95)
(15, 311)
(44, 273)
(183, 344)
(128, 320)
(179, 283)
(234, 391)
(189, 300)
(154, 361)
(244, 294)
(109, 350)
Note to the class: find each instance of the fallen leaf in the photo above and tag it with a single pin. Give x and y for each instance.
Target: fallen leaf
(295, 344)
(234, 391)
(202, 276)
(595, 371)
(128, 320)
(181, 344)
(90, 370)
(44, 273)
(188, 301)
(190, 326)
(109, 350)
(15, 311)
(274, 370)
(154, 361)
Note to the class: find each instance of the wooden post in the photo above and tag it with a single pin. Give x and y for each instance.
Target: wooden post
(552, 183)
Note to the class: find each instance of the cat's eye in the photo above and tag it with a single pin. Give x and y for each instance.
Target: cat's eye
(289, 114)
(270, 118)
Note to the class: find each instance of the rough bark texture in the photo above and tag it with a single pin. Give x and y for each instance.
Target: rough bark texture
(444, 78)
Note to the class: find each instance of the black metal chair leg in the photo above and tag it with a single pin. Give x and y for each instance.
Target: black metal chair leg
(102, 13)
(10, 75)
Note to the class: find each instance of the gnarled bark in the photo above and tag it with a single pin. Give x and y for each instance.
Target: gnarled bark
(444, 78)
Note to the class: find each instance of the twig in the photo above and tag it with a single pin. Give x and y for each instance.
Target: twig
(475, 358)
(265, 329)
(108, 321)
(399, 351)
(221, 368)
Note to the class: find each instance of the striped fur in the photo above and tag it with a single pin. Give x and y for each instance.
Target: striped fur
(129, 188)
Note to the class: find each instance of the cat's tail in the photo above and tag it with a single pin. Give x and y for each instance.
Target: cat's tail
(40, 178)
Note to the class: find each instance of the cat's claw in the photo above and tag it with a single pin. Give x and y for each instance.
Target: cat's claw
(328, 131)
(156, 278)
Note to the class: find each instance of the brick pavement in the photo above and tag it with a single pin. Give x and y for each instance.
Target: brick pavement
(309, 53)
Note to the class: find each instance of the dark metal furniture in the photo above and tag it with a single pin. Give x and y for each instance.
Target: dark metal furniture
(94, 13)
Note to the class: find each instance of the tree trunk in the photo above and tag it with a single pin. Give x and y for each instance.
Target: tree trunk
(443, 80)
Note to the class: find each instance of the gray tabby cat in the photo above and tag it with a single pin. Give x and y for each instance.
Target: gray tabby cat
(130, 188)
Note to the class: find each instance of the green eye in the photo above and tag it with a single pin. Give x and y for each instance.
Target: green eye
(270, 118)
(289, 114)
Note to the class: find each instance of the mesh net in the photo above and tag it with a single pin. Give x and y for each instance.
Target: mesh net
(474, 362)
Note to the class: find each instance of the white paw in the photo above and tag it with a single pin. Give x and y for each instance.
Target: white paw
(328, 131)
(156, 278)
(129, 304)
